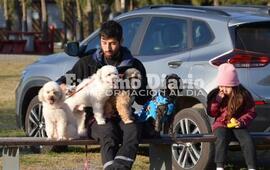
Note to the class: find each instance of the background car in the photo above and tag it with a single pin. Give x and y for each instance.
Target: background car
(189, 41)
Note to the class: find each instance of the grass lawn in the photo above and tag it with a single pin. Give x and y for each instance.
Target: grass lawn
(11, 68)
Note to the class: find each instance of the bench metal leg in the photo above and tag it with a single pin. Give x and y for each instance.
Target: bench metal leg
(160, 157)
(10, 158)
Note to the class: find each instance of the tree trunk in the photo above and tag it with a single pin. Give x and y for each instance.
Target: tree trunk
(79, 24)
(90, 16)
(131, 5)
(124, 5)
(24, 16)
(19, 14)
(216, 2)
(6, 15)
(117, 5)
(100, 13)
(106, 10)
(63, 18)
(44, 24)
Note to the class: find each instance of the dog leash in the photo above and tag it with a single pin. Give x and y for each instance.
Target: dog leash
(86, 163)
(77, 90)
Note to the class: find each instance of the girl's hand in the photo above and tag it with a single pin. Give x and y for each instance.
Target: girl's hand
(237, 124)
(69, 90)
(220, 96)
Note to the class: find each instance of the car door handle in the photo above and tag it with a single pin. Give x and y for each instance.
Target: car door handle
(174, 64)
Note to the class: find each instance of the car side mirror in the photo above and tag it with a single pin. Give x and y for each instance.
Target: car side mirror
(72, 48)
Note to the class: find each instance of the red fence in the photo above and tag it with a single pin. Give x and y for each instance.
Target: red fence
(27, 42)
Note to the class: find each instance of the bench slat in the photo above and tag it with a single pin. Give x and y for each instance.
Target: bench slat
(27, 141)
(165, 139)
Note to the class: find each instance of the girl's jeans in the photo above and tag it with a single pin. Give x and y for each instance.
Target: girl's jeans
(224, 136)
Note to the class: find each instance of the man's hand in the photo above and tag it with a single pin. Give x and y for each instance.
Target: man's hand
(63, 87)
(68, 90)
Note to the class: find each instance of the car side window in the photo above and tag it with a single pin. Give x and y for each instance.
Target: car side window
(93, 43)
(201, 33)
(164, 36)
(130, 27)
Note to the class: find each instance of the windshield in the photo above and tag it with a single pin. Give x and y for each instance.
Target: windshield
(254, 37)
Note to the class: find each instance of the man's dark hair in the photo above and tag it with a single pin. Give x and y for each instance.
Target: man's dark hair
(111, 29)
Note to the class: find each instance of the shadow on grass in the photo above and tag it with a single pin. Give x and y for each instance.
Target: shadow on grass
(9, 76)
(143, 149)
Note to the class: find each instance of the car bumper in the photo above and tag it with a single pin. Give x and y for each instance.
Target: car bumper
(262, 122)
(18, 104)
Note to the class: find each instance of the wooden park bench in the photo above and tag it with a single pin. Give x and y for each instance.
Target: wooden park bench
(160, 153)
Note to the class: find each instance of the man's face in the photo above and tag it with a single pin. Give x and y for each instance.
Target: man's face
(109, 46)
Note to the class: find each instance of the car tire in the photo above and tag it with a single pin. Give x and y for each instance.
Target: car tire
(35, 127)
(194, 156)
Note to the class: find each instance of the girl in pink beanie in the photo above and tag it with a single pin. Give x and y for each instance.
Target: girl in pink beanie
(232, 106)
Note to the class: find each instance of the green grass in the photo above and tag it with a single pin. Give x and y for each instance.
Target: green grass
(12, 66)
(68, 160)
(74, 158)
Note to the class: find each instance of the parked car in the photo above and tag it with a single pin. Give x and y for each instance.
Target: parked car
(189, 41)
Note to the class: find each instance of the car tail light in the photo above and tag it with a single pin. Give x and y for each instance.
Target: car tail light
(260, 102)
(243, 59)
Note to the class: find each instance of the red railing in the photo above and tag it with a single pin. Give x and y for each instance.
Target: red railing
(27, 42)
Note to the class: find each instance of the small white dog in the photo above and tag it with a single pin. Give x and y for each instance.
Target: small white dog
(59, 120)
(94, 92)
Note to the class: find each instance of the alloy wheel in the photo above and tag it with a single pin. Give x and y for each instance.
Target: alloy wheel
(188, 154)
(36, 124)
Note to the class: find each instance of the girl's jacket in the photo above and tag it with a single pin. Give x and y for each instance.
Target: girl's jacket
(220, 113)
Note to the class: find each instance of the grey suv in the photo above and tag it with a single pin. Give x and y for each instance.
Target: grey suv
(189, 41)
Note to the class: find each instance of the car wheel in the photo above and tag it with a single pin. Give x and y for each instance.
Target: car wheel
(191, 155)
(35, 126)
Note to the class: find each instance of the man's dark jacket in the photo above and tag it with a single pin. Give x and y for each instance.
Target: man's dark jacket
(88, 65)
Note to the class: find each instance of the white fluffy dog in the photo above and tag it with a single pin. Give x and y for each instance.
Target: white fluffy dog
(94, 92)
(59, 120)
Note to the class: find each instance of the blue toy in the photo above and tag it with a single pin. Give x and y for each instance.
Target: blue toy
(150, 109)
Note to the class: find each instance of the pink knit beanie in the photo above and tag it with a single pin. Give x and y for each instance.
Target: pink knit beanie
(227, 75)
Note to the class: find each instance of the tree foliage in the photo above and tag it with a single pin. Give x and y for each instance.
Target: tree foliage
(94, 12)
